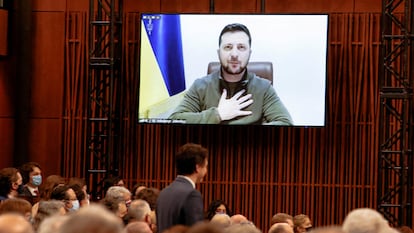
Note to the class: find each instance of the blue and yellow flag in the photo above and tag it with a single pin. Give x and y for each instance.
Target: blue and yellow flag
(161, 66)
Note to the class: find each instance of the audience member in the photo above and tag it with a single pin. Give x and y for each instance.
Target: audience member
(221, 220)
(204, 227)
(215, 207)
(139, 210)
(244, 227)
(46, 188)
(32, 179)
(52, 224)
(280, 228)
(67, 195)
(80, 194)
(238, 218)
(116, 192)
(282, 218)
(11, 183)
(137, 188)
(302, 223)
(17, 206)
(149, 195)
(177, 229)
(180, 202)
(365, 220)
(47, 209)
(116, 204)
(137, 227)
(92, 219)
(112, 181)
(327, 229)
(14, 223)
(75, 181)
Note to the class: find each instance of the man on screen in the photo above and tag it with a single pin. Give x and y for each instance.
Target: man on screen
(232, 95)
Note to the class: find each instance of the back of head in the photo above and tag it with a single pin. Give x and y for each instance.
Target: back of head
(92, 219)
(8, 176)
(365, 220)
(281, 228)
(138, 227)
(149, 195)
(138, 210)
(204, 227)
(47, 209)
(281, 218)
(16, 205)
(245, 227)
(177, 229)
(117, 192)
(221, 220)
(52, 224)
(14, 223)
(50, 183)
(188, 156)
(238, 218)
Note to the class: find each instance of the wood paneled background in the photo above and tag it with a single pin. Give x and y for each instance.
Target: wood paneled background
(324, 172)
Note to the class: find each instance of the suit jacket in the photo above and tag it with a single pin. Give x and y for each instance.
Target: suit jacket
(178, 203)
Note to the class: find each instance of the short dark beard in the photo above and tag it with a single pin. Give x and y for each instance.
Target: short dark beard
(227, 70)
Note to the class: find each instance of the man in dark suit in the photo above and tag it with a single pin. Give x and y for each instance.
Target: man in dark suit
(180, 203)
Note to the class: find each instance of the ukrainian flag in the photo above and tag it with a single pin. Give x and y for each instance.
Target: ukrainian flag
(161, 65)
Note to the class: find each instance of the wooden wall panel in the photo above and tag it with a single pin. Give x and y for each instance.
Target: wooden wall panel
(142, 5)
(188, 6)
(6, 141)
(44, 144)
(48, 58)
(237, 6)
(3, 32)
(314, 6)
(6, 89)
(50, 5)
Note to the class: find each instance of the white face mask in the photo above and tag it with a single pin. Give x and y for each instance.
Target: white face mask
(75, 206)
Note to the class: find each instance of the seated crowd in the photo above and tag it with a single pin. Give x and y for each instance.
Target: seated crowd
(29, 204)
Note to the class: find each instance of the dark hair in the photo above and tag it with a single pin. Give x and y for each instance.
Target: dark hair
(188, 156)
(80, 194)
(211, 210)
(60, 193)
(235, 27)
(149, 195)
(8, 176)
(110, 181)
(25, 170)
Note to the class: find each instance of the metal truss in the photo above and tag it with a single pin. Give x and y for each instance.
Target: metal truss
(103, 123)
(395, 170)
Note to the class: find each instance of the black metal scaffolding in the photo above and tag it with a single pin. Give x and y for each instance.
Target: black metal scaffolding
(105, 53)
(395, 170)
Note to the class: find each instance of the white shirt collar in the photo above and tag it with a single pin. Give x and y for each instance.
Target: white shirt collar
(188, 178)
(32, 190)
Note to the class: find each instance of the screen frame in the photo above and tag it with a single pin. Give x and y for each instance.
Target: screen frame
(278, 81)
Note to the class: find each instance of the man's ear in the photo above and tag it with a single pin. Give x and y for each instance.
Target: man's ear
(15, 186)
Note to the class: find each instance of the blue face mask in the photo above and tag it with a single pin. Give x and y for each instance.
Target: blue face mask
(75, 206)
(37, 180)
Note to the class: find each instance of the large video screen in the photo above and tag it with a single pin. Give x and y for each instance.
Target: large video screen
(275, 76)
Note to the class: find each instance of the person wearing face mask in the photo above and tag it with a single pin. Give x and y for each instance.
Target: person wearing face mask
(68, 196)
(11, 183)
(32, 179)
